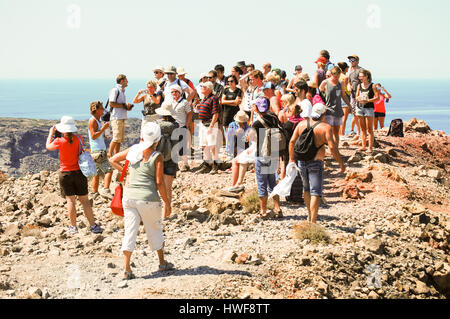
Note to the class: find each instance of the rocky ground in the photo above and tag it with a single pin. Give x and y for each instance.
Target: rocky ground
(387, 219)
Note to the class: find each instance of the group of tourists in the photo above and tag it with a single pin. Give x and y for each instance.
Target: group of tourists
(265, 120)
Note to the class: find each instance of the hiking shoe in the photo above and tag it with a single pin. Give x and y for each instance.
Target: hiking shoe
(205, 169)
(166, 266)
(184, 167)
(72, 230)
(196, 169)
(214, 169)
(96, 229)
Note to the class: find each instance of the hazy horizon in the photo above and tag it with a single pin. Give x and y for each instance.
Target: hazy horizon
(79, 39)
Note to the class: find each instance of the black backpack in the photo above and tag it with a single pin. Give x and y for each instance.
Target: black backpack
(166, 143)
(396, 128)
(305, 149)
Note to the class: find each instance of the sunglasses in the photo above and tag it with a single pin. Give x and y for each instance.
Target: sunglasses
(209, 77)
(352, 60)
(231, 81)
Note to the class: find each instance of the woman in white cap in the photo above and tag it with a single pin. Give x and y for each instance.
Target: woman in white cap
(141, 200)
(71, 180)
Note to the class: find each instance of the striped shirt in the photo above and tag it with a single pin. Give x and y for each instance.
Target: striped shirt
(207, 107)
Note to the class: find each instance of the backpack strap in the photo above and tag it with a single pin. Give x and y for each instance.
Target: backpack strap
(80, 145)
(107, 102)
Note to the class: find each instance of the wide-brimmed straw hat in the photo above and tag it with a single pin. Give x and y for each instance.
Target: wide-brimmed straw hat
(166, 109)
(67, 125)
(171, 69)
(181, 71)
(241, 117)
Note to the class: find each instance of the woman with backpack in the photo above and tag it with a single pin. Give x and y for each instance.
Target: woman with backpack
(167, 124)
(71, 180)
(366, 95)
(141, 200)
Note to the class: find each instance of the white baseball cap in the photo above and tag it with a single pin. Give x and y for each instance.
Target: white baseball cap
(318, 110)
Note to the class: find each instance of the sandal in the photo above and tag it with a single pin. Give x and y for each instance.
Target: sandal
(128, 275)
(166, 266)
(279, 214)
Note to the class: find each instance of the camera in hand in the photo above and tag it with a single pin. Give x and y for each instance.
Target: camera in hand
(106, 117)
(57, 134)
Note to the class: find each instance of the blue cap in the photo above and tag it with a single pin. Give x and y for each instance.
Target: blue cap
(268, 85)
(262, 104)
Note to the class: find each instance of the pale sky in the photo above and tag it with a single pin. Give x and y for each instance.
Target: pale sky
(100, 39)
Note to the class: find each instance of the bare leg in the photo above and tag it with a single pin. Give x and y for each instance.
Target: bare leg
(336, 130)
(362, 123)
(276, 202)
(235, 170)
(107, 181)
(117, 148)
(72, 208)
(263, 203)
(375, 123)
(344, 120)
(369, 125)
(315, 202)
(242, 171)
(307, 198)
(87, 209)
(112, 148)
(168, 181)
(381, 119)
(160, 256)
(95, 182)
(127, 258)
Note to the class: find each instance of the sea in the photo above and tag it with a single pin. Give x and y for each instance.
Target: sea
(51, 99)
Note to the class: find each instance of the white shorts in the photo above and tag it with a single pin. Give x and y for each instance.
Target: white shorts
(208, 139)
(150, 213)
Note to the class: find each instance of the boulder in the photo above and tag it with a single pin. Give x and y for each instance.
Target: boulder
(441, 278)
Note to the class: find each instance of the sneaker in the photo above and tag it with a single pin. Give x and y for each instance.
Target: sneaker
(72, 230)
(166, 266)
(205, 169)
(128, 275)
(106, 193)
(236, 189)
(96, 229)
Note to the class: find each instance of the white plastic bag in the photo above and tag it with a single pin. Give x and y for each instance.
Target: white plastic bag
(283, 188)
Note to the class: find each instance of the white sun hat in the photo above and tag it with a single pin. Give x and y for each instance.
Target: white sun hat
(150, 134)
(67, 125)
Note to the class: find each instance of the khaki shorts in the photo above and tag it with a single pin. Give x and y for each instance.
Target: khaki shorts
(101, 162)
(118, 129)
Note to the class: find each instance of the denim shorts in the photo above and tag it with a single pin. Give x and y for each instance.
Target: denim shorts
(312, 176)
(333, 120)
(265, 182)
(365, 111)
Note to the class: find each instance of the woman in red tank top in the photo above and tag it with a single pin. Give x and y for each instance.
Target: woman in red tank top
(380, 108)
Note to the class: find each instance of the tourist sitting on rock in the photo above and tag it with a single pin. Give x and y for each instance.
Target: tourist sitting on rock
(242, 147)
(308, 151)
(71, 180)
(141, 200)
(96, 133)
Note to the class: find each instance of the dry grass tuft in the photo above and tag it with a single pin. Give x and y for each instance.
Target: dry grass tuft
(315, 233)
(250, 202)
